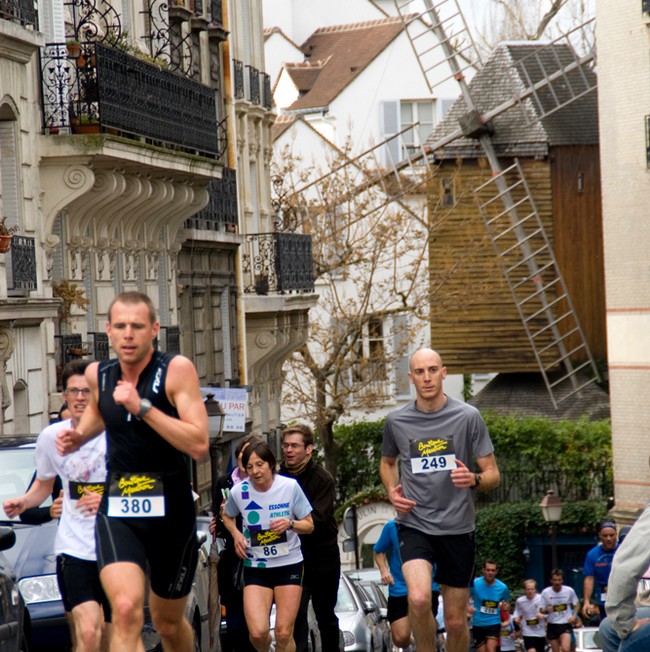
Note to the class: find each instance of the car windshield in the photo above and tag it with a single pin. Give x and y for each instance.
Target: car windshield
(345, 599)
(16, 471)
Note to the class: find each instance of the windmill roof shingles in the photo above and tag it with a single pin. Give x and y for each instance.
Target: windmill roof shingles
(526, 129)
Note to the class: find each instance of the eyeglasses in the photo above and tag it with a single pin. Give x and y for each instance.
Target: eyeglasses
(73, 391)
(294, 447)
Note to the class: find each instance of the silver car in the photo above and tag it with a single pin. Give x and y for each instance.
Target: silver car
(359, 618)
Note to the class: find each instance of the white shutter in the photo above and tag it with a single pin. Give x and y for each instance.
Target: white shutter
(9, 190)
(51, 19)
(390, 126)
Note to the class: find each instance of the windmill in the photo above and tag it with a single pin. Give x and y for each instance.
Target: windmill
(552, 79)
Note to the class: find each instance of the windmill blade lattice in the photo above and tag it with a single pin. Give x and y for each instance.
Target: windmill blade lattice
(559, 337)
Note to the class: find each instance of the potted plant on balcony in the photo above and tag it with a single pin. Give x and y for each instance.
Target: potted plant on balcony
(6, 234)
(74, 48)
(72, 296)
(84, 124)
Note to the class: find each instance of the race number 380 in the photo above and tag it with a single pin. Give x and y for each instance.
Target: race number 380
(136, 506)
(433, 463)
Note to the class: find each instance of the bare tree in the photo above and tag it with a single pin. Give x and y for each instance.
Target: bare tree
(370, 250)
(526, 20)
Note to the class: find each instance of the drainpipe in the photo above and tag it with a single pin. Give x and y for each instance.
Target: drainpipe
(232, 163)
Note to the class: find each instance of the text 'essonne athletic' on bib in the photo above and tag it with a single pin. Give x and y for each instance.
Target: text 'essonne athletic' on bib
(136, 495)
(430, 455)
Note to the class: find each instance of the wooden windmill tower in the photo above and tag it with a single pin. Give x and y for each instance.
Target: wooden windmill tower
(536, 85)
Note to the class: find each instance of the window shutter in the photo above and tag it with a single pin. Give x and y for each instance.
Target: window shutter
(390, 126)
(51, 18)
(9, 173)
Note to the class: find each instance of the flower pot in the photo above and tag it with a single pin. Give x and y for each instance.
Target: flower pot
(5, 243)
(85, 128)
(74, 49)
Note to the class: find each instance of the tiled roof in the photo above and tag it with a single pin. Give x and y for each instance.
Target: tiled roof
(511, 68)
(305, 74)
(526, 395)
(282, 123)
(269, 31)
(339, 54)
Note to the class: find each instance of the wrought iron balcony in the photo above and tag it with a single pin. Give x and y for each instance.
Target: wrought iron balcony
(221, 212)
(21, 268)
(253, 84)
(278, 263)
(216, 11)
(104, 88)
(238, 69)
(169, 339)
(19, 11)
(98, 347)
(268, 96)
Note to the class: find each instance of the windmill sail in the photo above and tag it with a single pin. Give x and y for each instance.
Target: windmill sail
(549, 77)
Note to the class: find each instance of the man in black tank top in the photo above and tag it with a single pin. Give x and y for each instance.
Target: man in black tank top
(151, 407)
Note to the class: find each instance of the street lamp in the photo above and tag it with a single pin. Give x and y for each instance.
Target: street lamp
(551, 506)
(216, 419)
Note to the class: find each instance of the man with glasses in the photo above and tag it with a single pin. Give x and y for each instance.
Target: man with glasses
(322, 560)
(82, 474)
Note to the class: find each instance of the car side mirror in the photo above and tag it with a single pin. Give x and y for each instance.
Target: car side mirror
(369, 607)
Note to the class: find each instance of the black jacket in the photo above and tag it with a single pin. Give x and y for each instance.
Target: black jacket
(318, 485)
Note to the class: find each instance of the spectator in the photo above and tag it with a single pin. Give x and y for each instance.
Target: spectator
(320, 549)
(596, 571)
(627, 626)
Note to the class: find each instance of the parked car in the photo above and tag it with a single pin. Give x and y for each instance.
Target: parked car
(359, 618)
(369, 574)
(374, 591)
(585, 639)
(313, 640)
(12, 607)
(33, 563)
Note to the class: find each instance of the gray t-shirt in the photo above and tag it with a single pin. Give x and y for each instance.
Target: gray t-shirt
(427, 445)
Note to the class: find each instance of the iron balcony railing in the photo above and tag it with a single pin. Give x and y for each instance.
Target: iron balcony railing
(221, 212)
(268, 96)
(102, 88)
(530, 484)
(238, 69)
(278, 263)
(98, 347)
(21, 270)
(216, 12)
(169, 339)
(19, 11)
(253, 84)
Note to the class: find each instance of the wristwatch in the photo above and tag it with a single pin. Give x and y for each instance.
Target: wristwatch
(291, 524)
(477, 480)
(145, 406)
